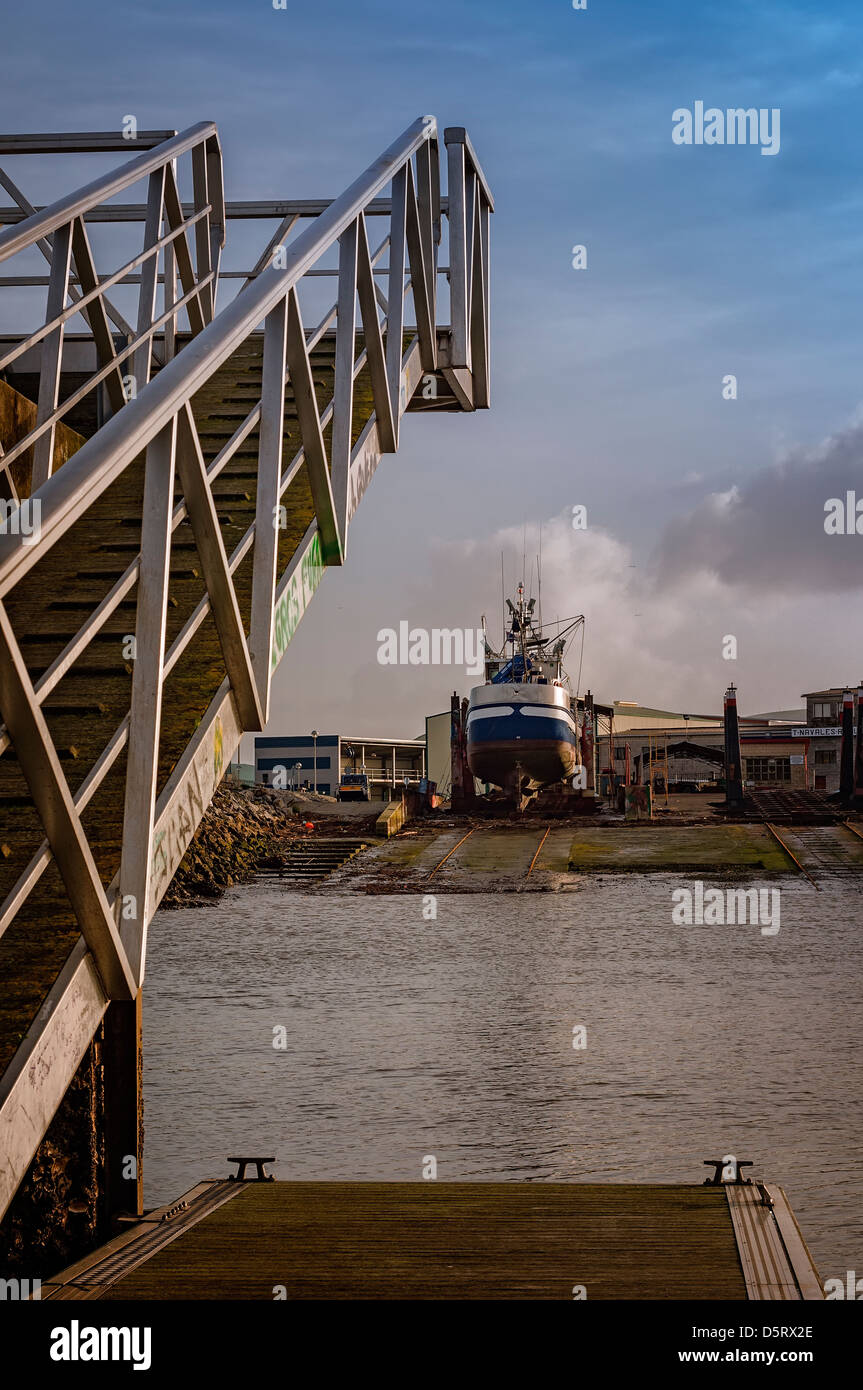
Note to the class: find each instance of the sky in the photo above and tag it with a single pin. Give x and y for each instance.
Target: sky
(705, 515)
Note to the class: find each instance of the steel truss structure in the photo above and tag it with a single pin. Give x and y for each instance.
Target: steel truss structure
(147, 374)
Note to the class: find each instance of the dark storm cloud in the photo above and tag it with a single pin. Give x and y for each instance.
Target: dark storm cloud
(770, 530)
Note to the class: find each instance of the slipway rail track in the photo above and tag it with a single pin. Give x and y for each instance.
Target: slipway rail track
(191, 474)
(791, 855)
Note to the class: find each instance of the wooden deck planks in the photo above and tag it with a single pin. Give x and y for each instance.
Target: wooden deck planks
(776, 1262)
(435, 1240)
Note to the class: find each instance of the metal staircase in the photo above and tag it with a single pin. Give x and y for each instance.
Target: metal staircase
(176, 482)
(307, 863)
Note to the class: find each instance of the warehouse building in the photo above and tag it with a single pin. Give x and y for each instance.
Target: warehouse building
(792, 749)
(316, 762)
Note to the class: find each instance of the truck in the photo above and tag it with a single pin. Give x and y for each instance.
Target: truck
(354, 786)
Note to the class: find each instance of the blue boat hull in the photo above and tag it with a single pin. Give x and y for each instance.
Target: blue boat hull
(526, 745)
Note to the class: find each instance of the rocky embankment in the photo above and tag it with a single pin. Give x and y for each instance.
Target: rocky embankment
(242, 827)
(247, 828)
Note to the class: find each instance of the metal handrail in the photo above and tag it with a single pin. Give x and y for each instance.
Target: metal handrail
(67, 494)
(48, 681)
(106, 282)
(59, 233)
(41, 224)
(268, 210)
(457, 135)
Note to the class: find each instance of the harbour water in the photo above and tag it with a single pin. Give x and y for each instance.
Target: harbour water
(353, 1036)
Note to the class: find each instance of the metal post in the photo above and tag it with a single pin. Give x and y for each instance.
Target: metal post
(650, 787)
(590, 743)
(846, 766)
(858, 765)
(52, 356)
(315, 757)
(147, 687)
(733, 777)
(270, 444)
(122, 1056)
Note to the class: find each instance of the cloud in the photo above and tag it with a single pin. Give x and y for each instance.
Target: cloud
(642, 641)
(769, 530)
(653, 634)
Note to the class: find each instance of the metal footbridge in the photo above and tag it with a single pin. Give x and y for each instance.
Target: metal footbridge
(182, 448)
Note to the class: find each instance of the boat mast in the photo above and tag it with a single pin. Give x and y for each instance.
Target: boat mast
(521, 625)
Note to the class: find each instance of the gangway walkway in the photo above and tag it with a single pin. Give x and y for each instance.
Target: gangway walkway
(177, 477)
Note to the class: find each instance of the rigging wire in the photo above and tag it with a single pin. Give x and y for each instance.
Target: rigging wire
(580, 660)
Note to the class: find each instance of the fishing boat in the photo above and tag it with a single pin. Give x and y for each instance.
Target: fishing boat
(522, 725)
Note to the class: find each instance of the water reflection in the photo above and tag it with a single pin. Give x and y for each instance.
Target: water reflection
(454, 1037)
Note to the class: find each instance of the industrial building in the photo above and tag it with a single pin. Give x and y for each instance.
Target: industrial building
(790, 749)
(316, 762)
(823, 721)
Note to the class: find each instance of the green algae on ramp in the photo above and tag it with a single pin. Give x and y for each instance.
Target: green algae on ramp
(555, 853)
(662, 848)
(404, 851)
(493, 851)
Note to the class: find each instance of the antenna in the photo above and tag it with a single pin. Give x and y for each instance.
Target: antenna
(523, 550)
(539, 576)
(502, 607)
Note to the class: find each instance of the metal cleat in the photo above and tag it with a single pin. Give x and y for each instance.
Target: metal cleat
(718, 1164)
(240, 1175)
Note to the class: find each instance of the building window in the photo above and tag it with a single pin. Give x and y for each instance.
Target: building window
(824, 709)
(768, 769)
(620, 752)
(825, 757)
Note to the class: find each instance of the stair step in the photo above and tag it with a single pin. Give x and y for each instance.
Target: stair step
(310, 863)
(28, 639)
(89, 672)
(132, 547)
(79, 711)
(69, 605)
(69, 753)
